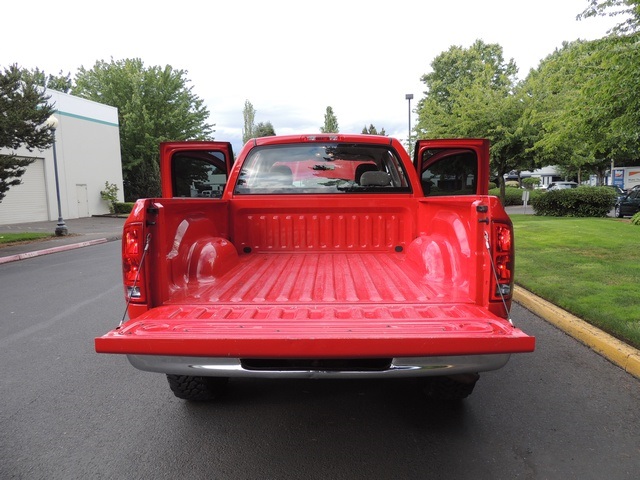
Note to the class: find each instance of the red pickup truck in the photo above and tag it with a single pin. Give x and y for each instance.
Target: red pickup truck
(319, 256)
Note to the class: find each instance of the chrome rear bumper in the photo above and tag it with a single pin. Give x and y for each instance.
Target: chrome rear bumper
(399, 367)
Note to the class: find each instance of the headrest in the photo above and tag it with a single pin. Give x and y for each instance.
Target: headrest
(376, 179)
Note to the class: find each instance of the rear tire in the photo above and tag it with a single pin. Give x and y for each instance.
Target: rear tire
(618, 212)
(450, 389)
(197, 389)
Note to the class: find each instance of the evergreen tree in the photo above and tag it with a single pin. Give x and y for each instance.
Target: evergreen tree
(60, 83)
(23, 113)
(372, 130)
(330, 122)
(249, 115)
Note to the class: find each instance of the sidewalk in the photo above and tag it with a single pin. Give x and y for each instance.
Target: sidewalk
(521, 209)
(82, 233)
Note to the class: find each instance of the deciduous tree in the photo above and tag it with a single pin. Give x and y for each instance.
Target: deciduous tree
(263, 129)
(471, 93)
(584, 103)
(154, 104)
(612, 8)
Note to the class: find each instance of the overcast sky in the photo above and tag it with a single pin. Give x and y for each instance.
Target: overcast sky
(290, 59)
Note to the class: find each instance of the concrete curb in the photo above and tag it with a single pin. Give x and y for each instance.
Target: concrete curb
(617, 352)
(47, 251)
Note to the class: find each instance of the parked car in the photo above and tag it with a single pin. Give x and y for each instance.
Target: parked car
(628, 205)
(561, 186)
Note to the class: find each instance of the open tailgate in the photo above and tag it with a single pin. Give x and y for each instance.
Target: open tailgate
(333, 331)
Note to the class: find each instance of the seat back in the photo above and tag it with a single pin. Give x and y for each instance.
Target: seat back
(362, 168)
(281, 175)
(375, 179)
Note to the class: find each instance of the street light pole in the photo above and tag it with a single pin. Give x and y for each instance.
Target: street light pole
(61, 228)
(409, 96)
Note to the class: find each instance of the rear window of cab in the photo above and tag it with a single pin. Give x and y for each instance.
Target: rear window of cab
(322, 169)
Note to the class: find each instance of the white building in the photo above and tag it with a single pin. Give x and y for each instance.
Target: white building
(88, 155)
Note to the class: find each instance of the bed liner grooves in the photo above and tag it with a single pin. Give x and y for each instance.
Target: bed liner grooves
(318, 305)
(293, 278)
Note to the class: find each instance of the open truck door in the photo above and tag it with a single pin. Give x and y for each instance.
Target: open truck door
(453, 166)
(195, 168)
(454, 174)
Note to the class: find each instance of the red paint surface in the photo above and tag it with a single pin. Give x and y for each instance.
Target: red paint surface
(310, 332)
(319, 276)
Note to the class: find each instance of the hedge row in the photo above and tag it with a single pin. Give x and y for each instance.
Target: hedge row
(123, 207)
(513, 196)
(575, 202)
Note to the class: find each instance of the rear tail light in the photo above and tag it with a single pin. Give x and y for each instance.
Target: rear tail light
(503, 237)
(503, 260)
(132, 267)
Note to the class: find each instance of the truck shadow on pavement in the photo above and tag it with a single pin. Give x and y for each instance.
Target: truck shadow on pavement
(329, 429)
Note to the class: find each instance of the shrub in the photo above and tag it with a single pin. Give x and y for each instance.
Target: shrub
(512, 183)
(492, 185)
(531, 182)
(513, 196)
(123, 207)
(575, 202)
(635, 220)
(110, 194)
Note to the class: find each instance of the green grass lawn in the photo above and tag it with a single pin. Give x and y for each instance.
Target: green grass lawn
(8, 238)
(588, 266)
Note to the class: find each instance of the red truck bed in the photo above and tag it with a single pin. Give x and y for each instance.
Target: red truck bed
(325, 305)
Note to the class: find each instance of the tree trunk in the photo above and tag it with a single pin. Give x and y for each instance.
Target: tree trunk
(503, 193)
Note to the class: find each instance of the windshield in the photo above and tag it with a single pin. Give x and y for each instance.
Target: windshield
(321, 168)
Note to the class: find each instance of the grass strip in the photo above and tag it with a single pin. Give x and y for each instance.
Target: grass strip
(8, 238)
(587, 266)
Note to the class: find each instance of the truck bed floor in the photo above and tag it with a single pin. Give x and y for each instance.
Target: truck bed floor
(295, 278)
(329, 305)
